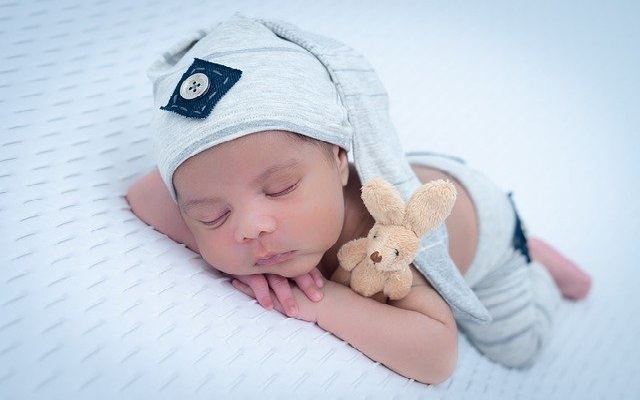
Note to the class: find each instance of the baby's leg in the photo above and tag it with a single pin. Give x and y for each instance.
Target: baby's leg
(522, 299)
(572, 281)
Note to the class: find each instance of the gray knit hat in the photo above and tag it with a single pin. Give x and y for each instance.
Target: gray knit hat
(236, 79)
(245, 76)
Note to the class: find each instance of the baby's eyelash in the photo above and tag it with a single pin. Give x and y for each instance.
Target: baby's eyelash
(285, 191)
(216, 222)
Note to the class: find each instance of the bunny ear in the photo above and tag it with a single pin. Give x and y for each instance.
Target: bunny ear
(429, 206)
(383, 202)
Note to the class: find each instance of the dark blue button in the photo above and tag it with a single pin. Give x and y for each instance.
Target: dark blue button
(200, 88)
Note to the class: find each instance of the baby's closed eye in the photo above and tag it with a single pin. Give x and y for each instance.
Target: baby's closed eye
(216, 221)
(281, 190)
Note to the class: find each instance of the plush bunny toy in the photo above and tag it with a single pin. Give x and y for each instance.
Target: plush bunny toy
(377, 266)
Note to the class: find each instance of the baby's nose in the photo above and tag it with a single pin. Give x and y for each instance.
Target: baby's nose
(254, 225)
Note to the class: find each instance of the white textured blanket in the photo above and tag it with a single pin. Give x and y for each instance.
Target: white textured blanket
(94, 304)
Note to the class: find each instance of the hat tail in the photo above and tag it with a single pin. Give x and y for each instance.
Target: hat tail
(377, 152)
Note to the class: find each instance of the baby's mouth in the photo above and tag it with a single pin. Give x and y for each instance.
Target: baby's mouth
(273, 259)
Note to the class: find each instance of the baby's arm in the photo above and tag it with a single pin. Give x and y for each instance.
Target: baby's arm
(415, 336)
(150, 201)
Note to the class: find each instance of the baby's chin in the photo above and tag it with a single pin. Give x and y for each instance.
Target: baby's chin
(295, 267)
(292, 268)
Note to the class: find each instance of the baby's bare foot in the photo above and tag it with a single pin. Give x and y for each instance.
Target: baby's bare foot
(572, 281)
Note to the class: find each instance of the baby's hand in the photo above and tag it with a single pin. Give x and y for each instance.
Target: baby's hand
(262, 286)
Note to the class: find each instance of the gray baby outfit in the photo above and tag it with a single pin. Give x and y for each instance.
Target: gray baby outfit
(521, 296)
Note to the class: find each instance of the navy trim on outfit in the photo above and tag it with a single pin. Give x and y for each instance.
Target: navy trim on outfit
(519, 235)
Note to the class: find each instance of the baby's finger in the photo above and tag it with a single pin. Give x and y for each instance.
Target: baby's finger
(309, 287)
(244, 288)
(259, 288)
(282, 289)
(317, 277)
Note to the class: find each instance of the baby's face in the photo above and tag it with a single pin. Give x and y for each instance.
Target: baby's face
(264, 203)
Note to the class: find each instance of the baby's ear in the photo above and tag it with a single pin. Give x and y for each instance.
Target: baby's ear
(429, 206)
(342, 163)
(383, 202)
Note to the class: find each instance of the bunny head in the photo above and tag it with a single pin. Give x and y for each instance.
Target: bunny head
(394, 239)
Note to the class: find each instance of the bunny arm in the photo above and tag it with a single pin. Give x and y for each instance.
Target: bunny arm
(351, 253)
(398, 284)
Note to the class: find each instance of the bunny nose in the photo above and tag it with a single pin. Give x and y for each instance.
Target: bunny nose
(375, 257)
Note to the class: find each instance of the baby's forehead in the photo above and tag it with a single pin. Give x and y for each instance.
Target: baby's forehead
(257, 156)
(274, 157)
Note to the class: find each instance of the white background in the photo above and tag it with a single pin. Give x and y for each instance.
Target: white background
(541, 96)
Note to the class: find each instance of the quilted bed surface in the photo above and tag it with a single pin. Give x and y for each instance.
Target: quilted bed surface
(94, 304)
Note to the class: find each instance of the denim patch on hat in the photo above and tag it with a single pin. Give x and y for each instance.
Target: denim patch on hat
(200, 88)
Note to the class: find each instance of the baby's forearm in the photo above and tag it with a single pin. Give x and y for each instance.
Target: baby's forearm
(405, 340)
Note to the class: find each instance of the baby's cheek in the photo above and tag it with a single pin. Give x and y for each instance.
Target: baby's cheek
(222, 264)
(330, 224)
(218, 255)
